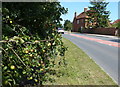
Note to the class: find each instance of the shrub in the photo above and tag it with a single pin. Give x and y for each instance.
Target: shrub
(30, 49)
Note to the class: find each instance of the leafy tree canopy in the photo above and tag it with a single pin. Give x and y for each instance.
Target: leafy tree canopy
(30, 42)
(36, 17)
(67, 25)
(116, 25)
(98, 15)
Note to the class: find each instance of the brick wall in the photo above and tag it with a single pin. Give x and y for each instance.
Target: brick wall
(76, 26)
(105, 31)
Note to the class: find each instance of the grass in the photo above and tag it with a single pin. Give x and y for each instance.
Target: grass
(80, 69)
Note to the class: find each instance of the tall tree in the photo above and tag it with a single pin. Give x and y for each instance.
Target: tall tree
(67, 25)
(98, 16)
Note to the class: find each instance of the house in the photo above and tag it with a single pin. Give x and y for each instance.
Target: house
(118, 20)
(79, 21)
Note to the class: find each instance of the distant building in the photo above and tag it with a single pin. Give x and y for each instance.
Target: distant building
(80, 21)
(118, 20)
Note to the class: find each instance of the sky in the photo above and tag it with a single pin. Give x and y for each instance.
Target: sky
(79, 7)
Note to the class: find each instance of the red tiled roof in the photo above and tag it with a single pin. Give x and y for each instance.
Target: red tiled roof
(118, 20)
(82, 15)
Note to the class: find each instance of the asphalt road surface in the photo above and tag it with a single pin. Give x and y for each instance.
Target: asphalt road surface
(102, 49)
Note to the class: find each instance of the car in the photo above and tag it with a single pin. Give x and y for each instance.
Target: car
(61, 30)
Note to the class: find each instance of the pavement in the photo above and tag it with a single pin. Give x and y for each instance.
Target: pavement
(103, 49)
(97, 35)
(108, 36)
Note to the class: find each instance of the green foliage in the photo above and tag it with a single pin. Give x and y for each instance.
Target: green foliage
(116, 25)
(98, 16)
(59, 25)
(30, 42)
(67, 25)
(35, 16)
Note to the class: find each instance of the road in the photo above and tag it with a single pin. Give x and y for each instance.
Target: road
(102, 49)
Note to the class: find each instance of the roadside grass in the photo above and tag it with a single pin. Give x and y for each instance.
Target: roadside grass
(80, 69)
(0, 64)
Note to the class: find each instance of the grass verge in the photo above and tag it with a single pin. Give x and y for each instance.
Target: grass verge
(80, 69)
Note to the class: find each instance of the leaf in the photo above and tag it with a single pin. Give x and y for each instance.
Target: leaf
(5, 68)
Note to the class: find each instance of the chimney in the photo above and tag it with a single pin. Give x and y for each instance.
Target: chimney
(75, 14)
(85, 9)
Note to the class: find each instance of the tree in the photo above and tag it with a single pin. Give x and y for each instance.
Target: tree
(67, 25)
(36, 16)
(30, 42)
(116, 25)
(59, 25)
(98, 16)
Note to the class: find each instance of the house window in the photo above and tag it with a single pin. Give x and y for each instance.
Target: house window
(78, 21)
(82, 20)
